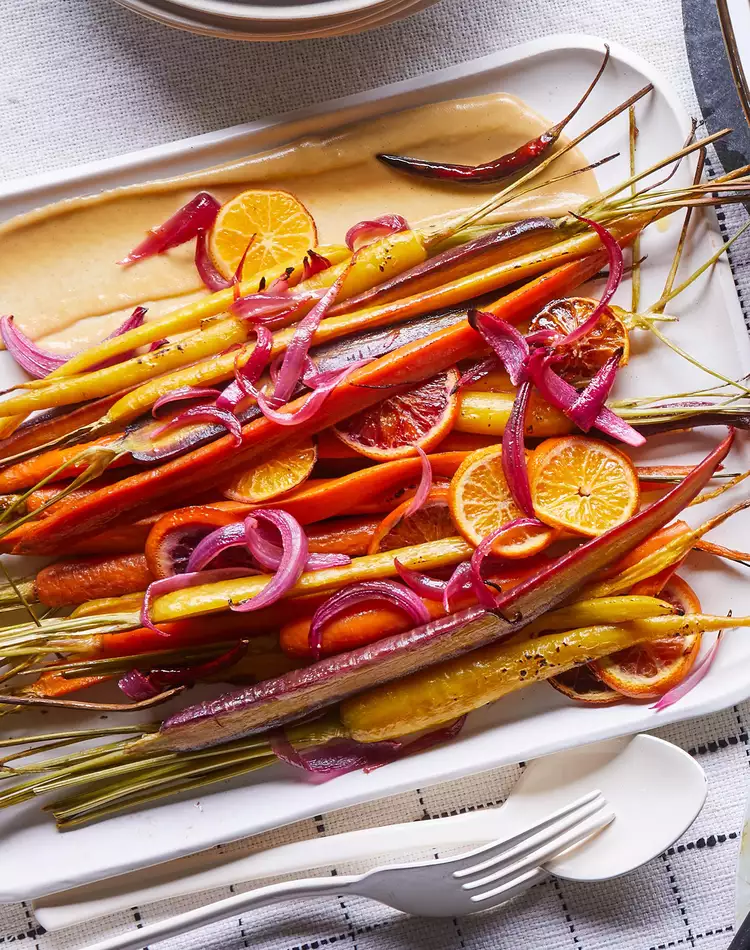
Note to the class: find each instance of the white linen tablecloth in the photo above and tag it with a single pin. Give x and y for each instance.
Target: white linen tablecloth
(85, 79)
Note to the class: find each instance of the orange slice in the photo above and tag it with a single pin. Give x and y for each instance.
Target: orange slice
(581, 360)
(282, 226)
(582, 485)
(582, 685)
(648, 670)
(432, 522)
(285, 469)
(480, 502)
(392, 428)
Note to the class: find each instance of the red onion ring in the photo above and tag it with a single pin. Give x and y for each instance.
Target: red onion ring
(696, 674)
(291, 565)
(559, 393)
(367, 231)
(205, 414)
(339, 756)
(212, 278)
(484, 549)
(514, 451)
(509, 344)
(137, 685)
(268, 554)
(211, 546)
(39, 363)
(179, 582)
(422, 584)
(589, 404)
(615, 258)
(183, 394)
(460, 580)
(476, 372)
(311, 405)
(425, 484)
(197, 215)
(299, 345)
(390, 591)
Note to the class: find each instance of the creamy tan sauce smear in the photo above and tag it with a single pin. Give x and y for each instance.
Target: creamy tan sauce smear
(58, 274)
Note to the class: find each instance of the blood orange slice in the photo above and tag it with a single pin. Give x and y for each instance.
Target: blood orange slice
(431, 522)
(580, 361)
(648, 670)
(391, 429)
(582, 685)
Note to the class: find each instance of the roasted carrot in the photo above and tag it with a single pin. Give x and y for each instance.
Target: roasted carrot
(657, 540)
(76, 581)
(196, 471)
(44, 429)
(31, 471)
(52, 684)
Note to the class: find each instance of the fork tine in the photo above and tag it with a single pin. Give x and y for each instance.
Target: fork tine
(520, 870)
(527, 840)
(538, 826)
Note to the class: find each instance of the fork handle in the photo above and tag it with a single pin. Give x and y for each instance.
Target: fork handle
(228, 907)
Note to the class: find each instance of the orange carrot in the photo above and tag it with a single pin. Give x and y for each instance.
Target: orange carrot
(76, 581)
(37, 432)
(26, 474)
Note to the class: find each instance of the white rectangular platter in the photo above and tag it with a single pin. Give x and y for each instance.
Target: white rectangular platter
(548, 74)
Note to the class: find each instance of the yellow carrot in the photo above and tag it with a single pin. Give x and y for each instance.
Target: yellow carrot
(211, 598)
(441, 693)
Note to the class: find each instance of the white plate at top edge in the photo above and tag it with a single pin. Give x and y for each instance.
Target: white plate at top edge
(530, 723)
(302, 12)
(267, 31)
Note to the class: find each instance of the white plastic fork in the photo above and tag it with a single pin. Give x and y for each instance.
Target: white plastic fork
(448, 887)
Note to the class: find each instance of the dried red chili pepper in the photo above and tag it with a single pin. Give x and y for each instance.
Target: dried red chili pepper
(499, 168)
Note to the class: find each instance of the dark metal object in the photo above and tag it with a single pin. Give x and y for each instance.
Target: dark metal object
(719, 98)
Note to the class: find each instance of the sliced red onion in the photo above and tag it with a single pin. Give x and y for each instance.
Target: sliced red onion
(197, 215)
(476, 372)
(425, 484)
(333, 759)
(508, 343)
(39, 363)
(248, 373)
(137, 686)
(313, 264)
(514, 451)
(390, 591)
(230, 397)
(211, 546)
(340, 756)
(267, 305)
(183, 394)
(167, 585)
(268, 554)
(311, 405)
(696, 674)
(205, 414)
(589, 404)
(212, 278)
(484, 549)
(297, 350)
(367, 231)
(422, 584)
(560, 394)
(291, 565)
(614, 255)
(459, 581)
(237, 276)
